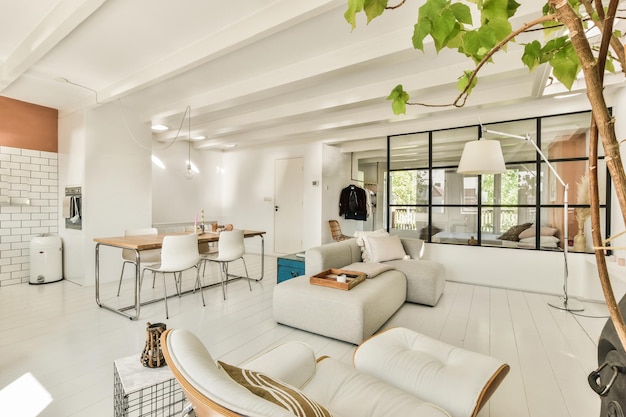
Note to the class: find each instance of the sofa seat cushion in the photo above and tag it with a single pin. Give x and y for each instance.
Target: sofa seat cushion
(425, 280)
(370, 269)
(351, 316)
(346, 392)
(431, 370)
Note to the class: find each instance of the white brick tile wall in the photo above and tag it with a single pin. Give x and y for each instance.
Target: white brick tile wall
(34, 175)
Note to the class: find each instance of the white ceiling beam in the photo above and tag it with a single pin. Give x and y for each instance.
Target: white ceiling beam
(59, 23)
(278, 16)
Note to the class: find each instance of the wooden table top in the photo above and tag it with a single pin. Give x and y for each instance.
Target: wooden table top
(145, 242)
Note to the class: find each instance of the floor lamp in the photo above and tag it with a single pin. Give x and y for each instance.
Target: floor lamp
(485, 157)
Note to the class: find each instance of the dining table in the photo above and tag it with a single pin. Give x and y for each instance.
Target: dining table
(139, 243)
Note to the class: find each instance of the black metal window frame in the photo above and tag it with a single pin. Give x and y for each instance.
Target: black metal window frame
(538, 162)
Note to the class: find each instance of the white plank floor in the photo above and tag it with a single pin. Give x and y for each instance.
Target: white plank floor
(57, 332)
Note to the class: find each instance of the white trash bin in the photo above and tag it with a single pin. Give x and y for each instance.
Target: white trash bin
(46, 259)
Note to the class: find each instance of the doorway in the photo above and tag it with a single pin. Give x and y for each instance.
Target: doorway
(288, 201)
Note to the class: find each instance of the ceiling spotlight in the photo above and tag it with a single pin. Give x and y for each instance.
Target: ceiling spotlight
(160, 128)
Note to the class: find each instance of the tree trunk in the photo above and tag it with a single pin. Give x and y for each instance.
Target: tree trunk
(605, 125)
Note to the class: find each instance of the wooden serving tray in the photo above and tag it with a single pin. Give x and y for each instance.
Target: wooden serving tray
(328, 278)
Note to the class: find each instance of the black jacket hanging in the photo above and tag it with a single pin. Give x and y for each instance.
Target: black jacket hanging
(353, 203)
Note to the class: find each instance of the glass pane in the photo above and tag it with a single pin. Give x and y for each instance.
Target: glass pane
(566, 136)
(409, 187)
(499, 220)
(514, 149)
(552, 218)
(448, 145)
(515, 187)
(453, 225)
(408, 151)
(449, 187)
(572, 173)
(408, 218)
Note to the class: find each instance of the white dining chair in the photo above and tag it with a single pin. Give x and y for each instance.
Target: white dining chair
(230, 247)
(178, 254)
(147, 257)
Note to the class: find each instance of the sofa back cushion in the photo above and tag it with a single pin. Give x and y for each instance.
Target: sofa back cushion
(331, 255)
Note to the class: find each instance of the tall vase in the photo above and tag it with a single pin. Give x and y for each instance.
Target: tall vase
(580, 241)
(152, 355)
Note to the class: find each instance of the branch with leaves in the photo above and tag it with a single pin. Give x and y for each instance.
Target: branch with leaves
(449, 25)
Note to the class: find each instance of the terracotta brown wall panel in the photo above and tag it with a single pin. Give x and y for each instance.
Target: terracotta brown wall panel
(28, 126)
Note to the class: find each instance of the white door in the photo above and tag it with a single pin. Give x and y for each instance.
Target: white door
(288, 210)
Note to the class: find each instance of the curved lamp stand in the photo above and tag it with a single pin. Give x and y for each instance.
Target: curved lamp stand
(491, 151)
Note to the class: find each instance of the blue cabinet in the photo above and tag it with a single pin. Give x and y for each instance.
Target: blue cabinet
(289, 266)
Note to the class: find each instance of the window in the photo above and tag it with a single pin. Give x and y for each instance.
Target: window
(521, 208)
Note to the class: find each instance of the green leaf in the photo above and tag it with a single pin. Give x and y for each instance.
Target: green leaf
(400, 99)
(531, 56)
(609, 65)
(374, 8)
(512, 7)
(566, 66)
(501, 28)
(354, 6)
(443, 28)
(463, 82)
(420, 31)
(428, 13)
(494, 9)
(477, 43)
(462, 13)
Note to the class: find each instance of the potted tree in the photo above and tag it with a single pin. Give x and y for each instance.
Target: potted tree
(449, 24)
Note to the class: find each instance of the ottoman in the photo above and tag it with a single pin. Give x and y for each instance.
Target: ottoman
(351, 316)
(454, 378)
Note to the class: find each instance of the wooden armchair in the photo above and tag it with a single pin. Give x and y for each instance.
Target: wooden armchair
(335, 231)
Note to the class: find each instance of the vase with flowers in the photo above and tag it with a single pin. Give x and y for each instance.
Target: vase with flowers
(582, 213)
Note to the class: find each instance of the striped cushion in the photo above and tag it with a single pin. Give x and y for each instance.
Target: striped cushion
(279, 393)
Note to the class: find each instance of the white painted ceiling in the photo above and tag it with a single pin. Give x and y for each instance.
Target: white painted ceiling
(252, 71)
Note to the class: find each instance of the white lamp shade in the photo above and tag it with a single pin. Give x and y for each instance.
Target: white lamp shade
(482, 157)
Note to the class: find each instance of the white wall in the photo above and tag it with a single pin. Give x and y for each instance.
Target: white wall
(177, 199)
(111, 162)
(248, 191)
(72, 144)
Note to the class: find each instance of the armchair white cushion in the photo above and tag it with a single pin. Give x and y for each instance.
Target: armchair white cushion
(455, 378)
(341, 389)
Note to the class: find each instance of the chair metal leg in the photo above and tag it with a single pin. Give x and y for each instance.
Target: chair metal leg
(178, 282)
(224, 271)
(199, 285)
(246, 269)
(119, 286)
(167, 314)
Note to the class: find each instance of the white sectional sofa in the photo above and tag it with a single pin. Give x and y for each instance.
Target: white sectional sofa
(356, 314)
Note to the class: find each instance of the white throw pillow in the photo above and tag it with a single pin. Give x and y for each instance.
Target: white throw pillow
(384, 248)
(360, 236)
(544, 241)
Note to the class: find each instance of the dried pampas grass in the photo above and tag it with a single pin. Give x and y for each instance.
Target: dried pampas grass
(582, 197)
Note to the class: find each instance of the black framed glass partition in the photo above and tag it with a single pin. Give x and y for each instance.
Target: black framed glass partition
(520, 208)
